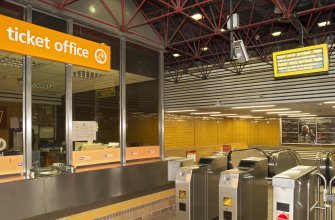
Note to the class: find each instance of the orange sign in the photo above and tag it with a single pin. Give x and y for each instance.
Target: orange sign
(25, 38)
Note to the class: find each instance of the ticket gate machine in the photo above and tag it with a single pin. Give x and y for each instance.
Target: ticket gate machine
(294, 194)
(174, 163)
(197, 189)
(243, 191)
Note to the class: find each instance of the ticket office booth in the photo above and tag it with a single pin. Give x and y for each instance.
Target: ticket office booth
(60, 94)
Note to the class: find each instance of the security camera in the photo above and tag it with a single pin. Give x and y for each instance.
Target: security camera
(239, 52)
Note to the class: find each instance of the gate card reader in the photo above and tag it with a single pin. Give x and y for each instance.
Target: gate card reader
(243, 191)
(197, 189)
(294, 193)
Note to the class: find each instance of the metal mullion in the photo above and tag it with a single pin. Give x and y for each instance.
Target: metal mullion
(27, 106)
(161, 103)
(123, 122)
(68, 104)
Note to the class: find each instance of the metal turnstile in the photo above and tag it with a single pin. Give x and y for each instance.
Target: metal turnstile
(197, 189)
(294, 194)
(243, 191)
(235, 156)
(282, 160)
(174, 163)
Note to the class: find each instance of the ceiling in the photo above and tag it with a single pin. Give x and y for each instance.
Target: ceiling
(169, 23)
(48, 77)
(319, 109)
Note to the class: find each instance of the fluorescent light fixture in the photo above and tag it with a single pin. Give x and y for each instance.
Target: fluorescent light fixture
(238, 116)
(176, 55)
(323, 23)
(300, 116)
(287, 112)
(329, 102)
(205, 113)
(259, 117)
(256, 106)
(197, 16)
(92, 9)
(269, 110)
(222, 30)
(223, 115)
(204, 48)
(294, 114)
(186, 110)
(276, 34)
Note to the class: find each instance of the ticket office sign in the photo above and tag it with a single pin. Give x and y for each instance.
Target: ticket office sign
(29, 39)
(305, 60)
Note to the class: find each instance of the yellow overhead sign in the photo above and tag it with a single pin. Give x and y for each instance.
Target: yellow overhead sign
(25, 38)
(313, 59)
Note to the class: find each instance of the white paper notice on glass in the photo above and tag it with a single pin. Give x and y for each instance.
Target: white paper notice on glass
(84, 131)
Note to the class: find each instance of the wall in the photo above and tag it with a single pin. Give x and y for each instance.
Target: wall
(256, 84)
(14, 109)
(208, 134)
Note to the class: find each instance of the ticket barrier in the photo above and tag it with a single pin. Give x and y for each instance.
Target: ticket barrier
(294, 194)
(174, 163)
(235, 156)
(243, 191)
(282, 160)
(197, 189)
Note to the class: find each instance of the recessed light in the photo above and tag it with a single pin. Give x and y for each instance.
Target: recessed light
(222, 30)
(288, 112)
(92, 9)
(323, 23)
(205, 113)
(197, 16)
(257, 106)
(329, 102)
(269, 110)
(276, 34)
(186, 110)
(204, 48)
(176, 55)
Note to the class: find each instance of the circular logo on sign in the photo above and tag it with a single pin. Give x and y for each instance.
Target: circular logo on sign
(100, 56)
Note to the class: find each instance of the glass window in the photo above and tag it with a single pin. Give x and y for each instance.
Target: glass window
(142, 97)
(11, 112)
(48, 112)
(96, 102)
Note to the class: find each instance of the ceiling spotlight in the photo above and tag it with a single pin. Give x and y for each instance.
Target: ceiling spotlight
(204, 48)
(276, 33)
(176, 55)
(197, 16)
(323, 23)
(222, 29)
(92, 9)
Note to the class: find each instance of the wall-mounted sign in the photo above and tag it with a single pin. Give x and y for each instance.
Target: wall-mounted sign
(25, 38)
(313, 59)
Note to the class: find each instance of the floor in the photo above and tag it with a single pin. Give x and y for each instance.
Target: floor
(171, 214)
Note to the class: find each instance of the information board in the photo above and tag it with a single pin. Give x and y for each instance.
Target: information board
(305, 60)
